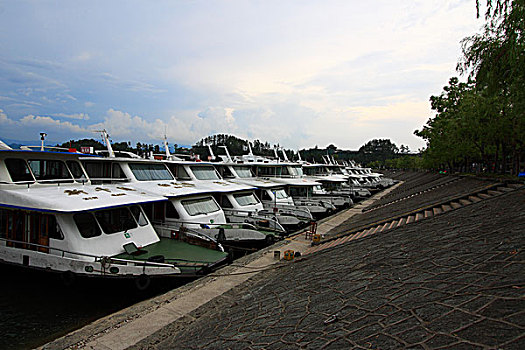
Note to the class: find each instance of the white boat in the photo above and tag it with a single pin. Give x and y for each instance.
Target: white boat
(52, 218)
(191, 209)
(272, 194)
(289, 176)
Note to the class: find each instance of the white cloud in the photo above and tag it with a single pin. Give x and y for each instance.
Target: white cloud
(79, 116)
(31, 120)
(297, 72)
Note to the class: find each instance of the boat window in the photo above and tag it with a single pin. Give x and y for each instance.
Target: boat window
(245, 199)
(300, 191)
(98, 170)
(150, 171)
(171, 212)
(3, 223)
(117, 172)
(225, 202)
(179, 172)
(265, 195)
(269, 171)
(310, 171)
(298, 170)
(243, 171)
(226, 172)
(44, 169)
(18, 170)
(48, 224)
(281, 193)
(204, 172)
(284, 171)
(87, 225)
(76, 170)
(115, 220)
(200, 206)
(139, 216)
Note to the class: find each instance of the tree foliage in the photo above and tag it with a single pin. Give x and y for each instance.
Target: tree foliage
(480, 123)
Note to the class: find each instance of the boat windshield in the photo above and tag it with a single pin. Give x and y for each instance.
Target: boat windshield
(269, 171)
(115, 220)
(149, 171)
(245, 199)
(297, 170)
(47, 170)
(76, 170)
(200, 206)
(87, 225)
(243, 171)
(204, 172)
(301, 191)
(280, 193)
(18, 170)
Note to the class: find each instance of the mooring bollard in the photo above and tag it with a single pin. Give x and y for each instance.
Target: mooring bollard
(277, 255)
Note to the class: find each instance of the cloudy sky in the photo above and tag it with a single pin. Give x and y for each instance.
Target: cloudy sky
(297, 72)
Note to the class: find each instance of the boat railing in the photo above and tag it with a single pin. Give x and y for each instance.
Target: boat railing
(48, 181)
(177, 226)
(106, 180)
(96, 258)
(302, 213)
(46, 148)
(261, 219)
(309, 201)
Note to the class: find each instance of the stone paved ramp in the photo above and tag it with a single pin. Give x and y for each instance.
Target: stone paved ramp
(455, 281)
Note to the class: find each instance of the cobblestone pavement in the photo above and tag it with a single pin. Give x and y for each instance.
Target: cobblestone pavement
(461, 186)
(455, 281)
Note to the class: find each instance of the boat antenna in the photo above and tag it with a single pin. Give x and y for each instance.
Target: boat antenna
(166, 147)
(227, 153)
(299, 155)
(275, 152)
(4, 146)
(250, 151)
(284, 155)
(105, 137)
(42, 138)
(212, 155)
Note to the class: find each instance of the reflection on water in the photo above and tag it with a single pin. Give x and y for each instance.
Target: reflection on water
(37, 307)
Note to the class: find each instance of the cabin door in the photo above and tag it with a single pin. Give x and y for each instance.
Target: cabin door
(38, 231)
(25, 228)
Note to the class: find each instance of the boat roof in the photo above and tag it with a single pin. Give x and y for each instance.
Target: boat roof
(5, 152)
(295, 181)
(223, 186)
(258, 182)
(168, 188)
(73, 198)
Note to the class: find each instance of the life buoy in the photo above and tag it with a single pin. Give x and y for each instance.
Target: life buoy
(142, 282)
(68, 278)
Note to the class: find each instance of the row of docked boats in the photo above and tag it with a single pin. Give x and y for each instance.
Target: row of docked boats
(117, 215)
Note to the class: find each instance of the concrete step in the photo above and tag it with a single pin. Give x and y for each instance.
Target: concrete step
(393, 224)
(437, 210)
(474, 199)
(401, 222)
(455, 205)
(384, 227)
(515, 186)
(494, 193)
(465, 202)
(446, 207)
